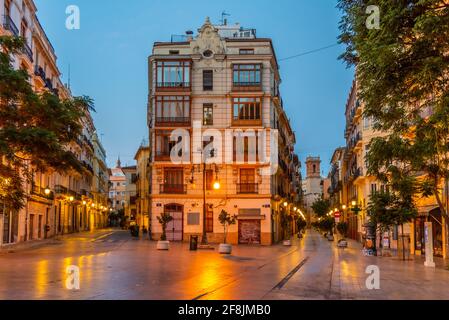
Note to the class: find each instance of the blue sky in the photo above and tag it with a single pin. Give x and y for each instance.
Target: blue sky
(108, 59)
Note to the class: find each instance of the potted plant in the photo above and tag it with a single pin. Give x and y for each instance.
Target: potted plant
(164, 219)
(342, 228)
(301, 224)
(226, 220)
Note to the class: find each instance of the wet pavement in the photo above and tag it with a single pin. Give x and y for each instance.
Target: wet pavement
(114, 266)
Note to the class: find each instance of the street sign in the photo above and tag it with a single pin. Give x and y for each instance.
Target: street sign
(337, 215)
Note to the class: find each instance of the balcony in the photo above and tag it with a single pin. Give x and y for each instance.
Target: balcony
(163, 155)
(247, 188)
(173, 189)
(60, 189)
(246, 86)
(27, 51)
(40, 192)
(173, 121)
(8, 24)
(246, 122)
(173, 86)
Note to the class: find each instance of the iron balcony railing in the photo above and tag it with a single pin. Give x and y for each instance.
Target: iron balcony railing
(247, 188)
(10, 25)
(40, 192)
(173, 188)
(27, 50)
(247, 84)
(173, 120)
(60, 189)
(173, 84)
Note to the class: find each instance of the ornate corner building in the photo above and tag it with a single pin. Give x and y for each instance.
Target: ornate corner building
(214, 105)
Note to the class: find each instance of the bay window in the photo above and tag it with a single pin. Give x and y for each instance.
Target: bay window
(247, 76)
(247, 110)
(173, 74)
(173, 110)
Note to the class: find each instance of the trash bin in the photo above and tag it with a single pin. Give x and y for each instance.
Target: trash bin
(193, 243)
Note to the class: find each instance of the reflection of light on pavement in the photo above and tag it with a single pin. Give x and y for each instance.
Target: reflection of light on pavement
(41, 277)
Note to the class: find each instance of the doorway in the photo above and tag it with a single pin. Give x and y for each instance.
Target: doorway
(175, 227)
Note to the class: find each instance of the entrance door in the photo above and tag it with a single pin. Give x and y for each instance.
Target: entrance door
(249, 231)
(31, 237)
(175, 227)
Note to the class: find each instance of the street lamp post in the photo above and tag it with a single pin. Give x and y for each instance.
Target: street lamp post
(216, 186)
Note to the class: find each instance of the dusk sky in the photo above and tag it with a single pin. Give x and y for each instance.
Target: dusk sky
(108, 59)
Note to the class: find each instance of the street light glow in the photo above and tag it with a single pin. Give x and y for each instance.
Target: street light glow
(47, 191)
(354, 203)
(343, 207)
(285, 204)
(217, 185)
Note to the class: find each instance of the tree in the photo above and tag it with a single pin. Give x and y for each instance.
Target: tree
(402, 72)
(387, 209)
(321, 207)
(342, 228)
(35, 128)
(327, 224)
(164, 219)
(226, 220)
(301, 224)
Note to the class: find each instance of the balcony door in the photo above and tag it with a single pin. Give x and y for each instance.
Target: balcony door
(247, 181)
(174, 181)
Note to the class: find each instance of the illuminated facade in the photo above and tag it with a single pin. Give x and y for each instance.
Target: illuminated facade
(215, 88)
(56, 204)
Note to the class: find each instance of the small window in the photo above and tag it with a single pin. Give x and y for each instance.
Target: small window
(208, 53)
(174, 52)
(208, 114)
(193, 218)
(208, 80)
(246, 51)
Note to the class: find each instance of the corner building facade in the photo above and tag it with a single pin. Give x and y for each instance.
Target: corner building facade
(222, 83)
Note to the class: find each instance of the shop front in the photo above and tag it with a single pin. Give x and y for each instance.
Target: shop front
(434, 216)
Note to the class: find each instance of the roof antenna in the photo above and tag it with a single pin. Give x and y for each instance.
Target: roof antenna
(224, 20)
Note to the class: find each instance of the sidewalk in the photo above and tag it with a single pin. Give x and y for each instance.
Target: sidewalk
(36, 244)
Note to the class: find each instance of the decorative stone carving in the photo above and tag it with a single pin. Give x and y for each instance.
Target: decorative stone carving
(208, 40)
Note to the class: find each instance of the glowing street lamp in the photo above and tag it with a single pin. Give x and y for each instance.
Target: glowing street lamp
(343, 207)
(71, 198)
(286, 204)
(47, 191)
(217, 185)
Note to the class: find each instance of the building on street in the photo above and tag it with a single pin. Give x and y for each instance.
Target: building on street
(214, 98)
(56, 204)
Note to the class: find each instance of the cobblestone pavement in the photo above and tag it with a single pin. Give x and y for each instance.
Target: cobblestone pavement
(114, 266)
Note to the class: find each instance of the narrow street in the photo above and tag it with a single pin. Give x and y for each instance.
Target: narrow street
(115, 266)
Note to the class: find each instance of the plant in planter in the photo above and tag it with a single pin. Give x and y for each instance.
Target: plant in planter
(226, 220)
(164, 219)
(301, 224)
(342, 228)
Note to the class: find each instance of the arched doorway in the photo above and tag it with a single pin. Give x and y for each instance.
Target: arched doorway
(175, 227)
